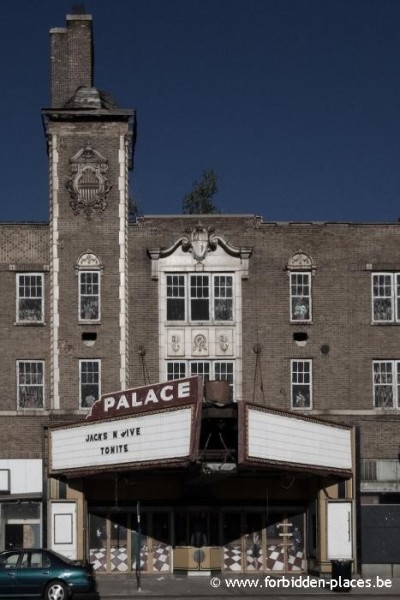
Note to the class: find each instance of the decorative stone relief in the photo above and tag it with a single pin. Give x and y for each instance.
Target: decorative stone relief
(300, 261)
(200, 241)
(88, 185)
(200, 343)
(88, 260)
(176, 342)
(224, 342)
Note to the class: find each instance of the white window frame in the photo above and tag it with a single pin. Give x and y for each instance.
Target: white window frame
(82, 273)
(296, 377)
(33, 385)
(212, 364)
(20, 299)
(393, 297)
(82, 383)
(385, 375)
(212, 298)
(292, 283)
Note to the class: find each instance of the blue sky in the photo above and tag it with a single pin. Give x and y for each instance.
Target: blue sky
(294, 103)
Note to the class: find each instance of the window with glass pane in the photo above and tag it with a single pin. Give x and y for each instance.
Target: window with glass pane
(223, 297)
(30, 384)
(22, 522)
(224, 370)
(200, 368)
(382, 292)
(30, 298)
(89, 295)
(175, 297)
(199, 298)
(397, 295)
(207, 369)
(176, 370)
(300, 296)
(384, 386)
(89, 382)
(301, 383)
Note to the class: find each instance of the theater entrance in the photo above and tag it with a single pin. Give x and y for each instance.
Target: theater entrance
(197, 539)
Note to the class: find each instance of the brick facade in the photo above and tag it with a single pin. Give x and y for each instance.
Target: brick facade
(345, 255)
(341, 340)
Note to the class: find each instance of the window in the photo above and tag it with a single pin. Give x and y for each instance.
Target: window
(89, 382)
(89, 295)
(300, 296)
(207, 369)
(176, 370)
(30, 376)
(175, 297)
(301, 377)
(385, 297)
(9, 561)
(386, 380)
(199, 298)
(30, 298)
(204, 297)
(38, 560)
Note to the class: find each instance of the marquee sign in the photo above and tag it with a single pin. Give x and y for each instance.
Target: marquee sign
(149, 426)
(149, 397)
(292, 441)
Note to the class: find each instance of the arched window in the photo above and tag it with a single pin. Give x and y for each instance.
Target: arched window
(300, 268)
(89, 270)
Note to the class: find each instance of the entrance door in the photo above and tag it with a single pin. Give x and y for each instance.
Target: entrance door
(197, 545)
(161, 542)
(285, 543)
(232, 540)
(14, 536)
(253, 540)
(118, 542)
(98, 541)
(339, 530)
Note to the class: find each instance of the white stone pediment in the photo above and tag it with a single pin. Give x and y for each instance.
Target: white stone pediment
(200, 250)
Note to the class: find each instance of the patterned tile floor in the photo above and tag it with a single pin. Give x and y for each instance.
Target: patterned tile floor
(232, 559)
(275, 559)
(119, 559)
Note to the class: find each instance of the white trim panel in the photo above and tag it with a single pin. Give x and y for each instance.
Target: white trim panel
(298, 441)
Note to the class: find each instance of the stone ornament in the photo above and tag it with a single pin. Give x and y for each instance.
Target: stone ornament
(300, 261)
(224, 342)
(176, 342)
(88, 185)
(200, 241)
(200, 343)
(89, 261)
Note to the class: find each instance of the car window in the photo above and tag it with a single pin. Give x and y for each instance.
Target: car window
(46, 560)
(38, 560)
(10, 560)
(25, 560)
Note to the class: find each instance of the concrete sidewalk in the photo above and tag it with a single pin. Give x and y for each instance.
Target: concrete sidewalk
(183, 586)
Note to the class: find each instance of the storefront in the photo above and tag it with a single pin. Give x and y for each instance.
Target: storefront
(196, 488)
(21, 499)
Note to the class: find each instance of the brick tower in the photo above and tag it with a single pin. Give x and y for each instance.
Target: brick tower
(90, 142)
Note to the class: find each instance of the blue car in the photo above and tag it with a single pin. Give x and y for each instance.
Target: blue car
(45, 574)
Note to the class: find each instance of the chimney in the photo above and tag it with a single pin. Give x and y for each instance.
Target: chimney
(71, 58)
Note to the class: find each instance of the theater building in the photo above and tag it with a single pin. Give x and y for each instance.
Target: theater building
(191, 393)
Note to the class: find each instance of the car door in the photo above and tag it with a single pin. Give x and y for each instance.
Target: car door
(33, 572)
(8, 573)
